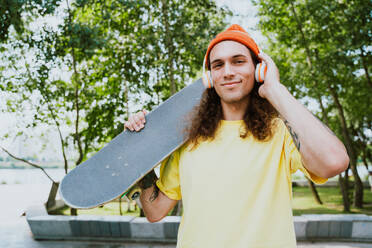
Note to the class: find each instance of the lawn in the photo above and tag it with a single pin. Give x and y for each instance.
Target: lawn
(303, 203)
(111, 208)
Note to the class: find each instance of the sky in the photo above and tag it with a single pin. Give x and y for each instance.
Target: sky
(43, 142)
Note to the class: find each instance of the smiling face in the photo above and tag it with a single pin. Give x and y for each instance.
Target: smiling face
(232, 70)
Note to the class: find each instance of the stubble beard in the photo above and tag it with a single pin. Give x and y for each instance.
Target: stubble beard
(235, 99)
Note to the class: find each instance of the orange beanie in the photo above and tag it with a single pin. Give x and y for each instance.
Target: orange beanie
(235, 33)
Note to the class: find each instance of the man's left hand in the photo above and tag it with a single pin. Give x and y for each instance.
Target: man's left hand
(271, 78)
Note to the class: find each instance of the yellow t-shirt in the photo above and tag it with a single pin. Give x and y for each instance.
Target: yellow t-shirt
(236, 192)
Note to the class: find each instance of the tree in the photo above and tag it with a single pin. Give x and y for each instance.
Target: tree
(113, 54)
(11, 12)
(320, 45)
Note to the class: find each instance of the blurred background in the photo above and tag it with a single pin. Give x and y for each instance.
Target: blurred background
(71, 72)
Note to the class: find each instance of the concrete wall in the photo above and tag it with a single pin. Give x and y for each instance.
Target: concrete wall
(355, 227)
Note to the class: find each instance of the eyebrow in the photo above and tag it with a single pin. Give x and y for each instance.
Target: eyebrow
(235, 56)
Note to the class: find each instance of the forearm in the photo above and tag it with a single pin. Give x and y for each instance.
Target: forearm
(148, 201)
(322, 152)
(154, 203)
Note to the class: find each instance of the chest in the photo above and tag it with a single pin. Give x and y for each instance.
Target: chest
(231, 162)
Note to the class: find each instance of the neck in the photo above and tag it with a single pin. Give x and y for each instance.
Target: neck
(234, 111)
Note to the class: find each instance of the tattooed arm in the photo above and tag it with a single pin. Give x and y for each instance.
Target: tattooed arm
(322, 152)
(155, 203)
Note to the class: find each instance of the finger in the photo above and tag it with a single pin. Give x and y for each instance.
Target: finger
(128, 126)
(266, 58)
(138, 125)
(141, 116)
(145, 112)
(138, 119)
(262, 56)
(133, 123)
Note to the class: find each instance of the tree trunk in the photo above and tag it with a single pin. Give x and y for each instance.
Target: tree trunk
(77, 138)
(345, 192)
(126, 94)
(169, 47)
(347, 177)
(120, 211)
(314, 192)
(73, 211)
(358, 185)
(343, 183)
(76, 78)
(364, 158)
(365, 67)
(52, 195)
(358, 197)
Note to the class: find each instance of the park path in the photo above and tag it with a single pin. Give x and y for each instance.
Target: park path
(15, 232)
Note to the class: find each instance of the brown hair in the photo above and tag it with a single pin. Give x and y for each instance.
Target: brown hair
(206, 117)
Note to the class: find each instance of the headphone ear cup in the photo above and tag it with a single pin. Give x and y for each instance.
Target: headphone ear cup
(207, 80)
(260, 72)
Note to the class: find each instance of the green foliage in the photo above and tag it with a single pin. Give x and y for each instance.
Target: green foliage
(319, 48)
(11, 12)
(323, 50)
(304, 203)
(105, 57)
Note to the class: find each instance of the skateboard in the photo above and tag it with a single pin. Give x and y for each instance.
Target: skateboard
(127, 158)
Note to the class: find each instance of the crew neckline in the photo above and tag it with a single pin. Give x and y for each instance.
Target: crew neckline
(236, 122)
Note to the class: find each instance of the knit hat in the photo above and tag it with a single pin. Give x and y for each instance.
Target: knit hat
(235, 33)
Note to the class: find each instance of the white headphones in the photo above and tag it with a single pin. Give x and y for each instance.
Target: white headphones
(259, 74)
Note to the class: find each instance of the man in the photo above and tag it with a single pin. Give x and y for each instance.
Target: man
(234, 173)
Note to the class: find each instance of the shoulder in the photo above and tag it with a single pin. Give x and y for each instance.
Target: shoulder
(180, 149)
(278, 125)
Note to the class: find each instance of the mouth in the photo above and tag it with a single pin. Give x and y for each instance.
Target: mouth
(231, 84)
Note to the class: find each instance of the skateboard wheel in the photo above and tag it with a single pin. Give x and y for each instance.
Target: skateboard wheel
(134, 193)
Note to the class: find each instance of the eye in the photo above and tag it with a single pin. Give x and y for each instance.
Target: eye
(240, 61)
(216, 65)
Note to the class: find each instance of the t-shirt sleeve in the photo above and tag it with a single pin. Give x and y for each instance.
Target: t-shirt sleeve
(294, 160)
(169, 181)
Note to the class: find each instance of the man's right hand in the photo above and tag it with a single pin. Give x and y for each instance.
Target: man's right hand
(136, 122)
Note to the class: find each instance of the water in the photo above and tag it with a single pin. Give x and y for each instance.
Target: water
(29, 176)
(36, 176)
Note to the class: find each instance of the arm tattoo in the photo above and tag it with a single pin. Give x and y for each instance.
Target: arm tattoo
(148, 180)
(154, 194)
(294, 135)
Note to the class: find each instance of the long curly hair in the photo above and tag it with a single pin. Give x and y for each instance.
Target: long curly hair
(205, 118)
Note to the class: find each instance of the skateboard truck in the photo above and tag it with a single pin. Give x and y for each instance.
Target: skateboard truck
(133, 193)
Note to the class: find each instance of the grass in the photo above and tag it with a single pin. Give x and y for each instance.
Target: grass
(111, 208)
(303, 203)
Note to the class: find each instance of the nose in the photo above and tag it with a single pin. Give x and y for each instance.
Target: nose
(228, 71)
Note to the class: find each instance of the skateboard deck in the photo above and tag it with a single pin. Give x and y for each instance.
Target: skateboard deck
(127, 158)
